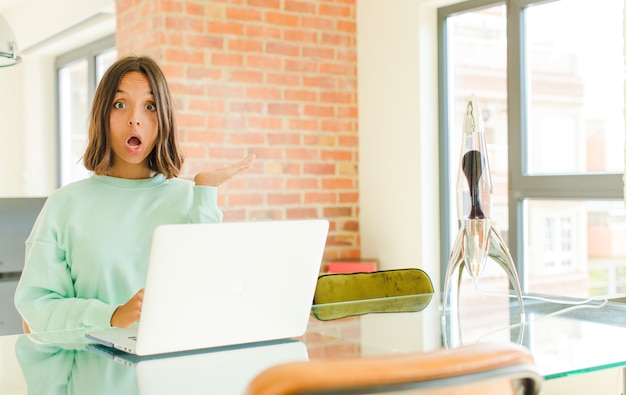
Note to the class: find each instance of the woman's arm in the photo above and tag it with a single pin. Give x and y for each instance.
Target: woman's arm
(45, 295)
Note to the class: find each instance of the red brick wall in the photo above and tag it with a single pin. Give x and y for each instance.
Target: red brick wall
(272, 77)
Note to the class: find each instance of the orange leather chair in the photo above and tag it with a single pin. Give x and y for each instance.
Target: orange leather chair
(483, 368)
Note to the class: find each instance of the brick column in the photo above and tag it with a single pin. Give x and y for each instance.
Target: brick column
(272, 77)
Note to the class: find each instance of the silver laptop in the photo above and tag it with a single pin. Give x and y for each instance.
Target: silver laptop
(212, 285)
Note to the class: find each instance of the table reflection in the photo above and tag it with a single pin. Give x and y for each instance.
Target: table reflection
(67, 364)
(64, 366)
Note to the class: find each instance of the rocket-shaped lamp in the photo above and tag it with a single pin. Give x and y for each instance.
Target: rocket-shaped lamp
(477, 240)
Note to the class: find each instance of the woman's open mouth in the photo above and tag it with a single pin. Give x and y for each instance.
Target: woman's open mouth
(133, 142)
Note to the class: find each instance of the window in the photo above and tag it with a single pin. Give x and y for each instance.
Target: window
(78, 74)
(552, 104)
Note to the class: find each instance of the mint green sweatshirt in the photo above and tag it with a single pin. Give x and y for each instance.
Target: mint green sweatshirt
(89, 248)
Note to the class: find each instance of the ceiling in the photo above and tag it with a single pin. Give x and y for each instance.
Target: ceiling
(7, 4)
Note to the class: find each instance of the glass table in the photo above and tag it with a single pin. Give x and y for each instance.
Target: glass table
(567, 338)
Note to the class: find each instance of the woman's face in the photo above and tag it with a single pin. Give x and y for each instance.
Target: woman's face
(133, 127)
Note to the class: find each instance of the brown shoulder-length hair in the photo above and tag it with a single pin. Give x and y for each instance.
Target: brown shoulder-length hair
(166, 157)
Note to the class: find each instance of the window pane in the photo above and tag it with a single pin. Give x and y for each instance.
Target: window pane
(575, 87)
(103, 61)
(575, 247)
(477, 65)
(75, 87)
(73, 113)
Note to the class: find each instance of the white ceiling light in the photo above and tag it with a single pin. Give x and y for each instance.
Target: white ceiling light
(8, 45)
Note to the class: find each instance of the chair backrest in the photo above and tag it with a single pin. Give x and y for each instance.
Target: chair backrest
(483, 368)
(344, 295)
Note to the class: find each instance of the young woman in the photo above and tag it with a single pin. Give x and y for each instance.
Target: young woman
(87, 254)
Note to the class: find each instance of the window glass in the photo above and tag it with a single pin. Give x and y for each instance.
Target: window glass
(565, 144)
(73, 113)
(477, 50)
(103, 61)
(78, 74)
(575, 247)
(575, 87)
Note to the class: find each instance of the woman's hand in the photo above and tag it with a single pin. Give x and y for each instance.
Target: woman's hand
(128, 314)
(217, 177)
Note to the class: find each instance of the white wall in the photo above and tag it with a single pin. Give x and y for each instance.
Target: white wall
(44, 29)
(398, 133)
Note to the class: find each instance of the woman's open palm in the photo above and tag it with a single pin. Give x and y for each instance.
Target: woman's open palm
(219, 176)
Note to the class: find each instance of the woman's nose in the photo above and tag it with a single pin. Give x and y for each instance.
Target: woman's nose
(135, 118)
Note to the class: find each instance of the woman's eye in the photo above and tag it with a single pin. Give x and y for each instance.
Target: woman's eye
(119, 105)
(151, 107)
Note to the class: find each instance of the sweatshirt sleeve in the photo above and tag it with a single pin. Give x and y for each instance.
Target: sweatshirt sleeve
(45, 296)
(204, 206)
